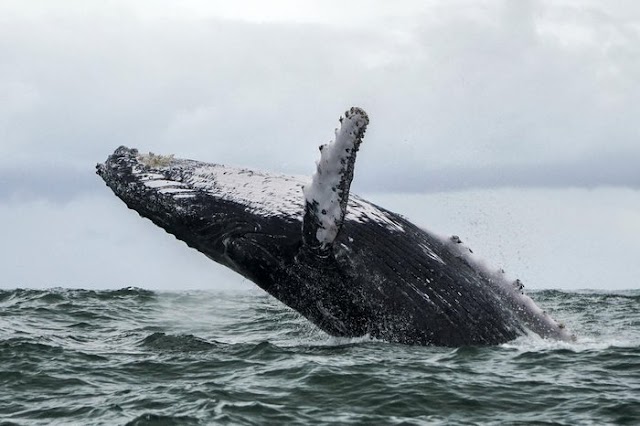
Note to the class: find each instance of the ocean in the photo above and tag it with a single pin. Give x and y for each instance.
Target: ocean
(140, 357)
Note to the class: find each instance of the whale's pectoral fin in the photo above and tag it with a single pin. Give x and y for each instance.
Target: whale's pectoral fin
(327, 195)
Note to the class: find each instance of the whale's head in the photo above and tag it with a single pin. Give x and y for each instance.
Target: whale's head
(246, 220)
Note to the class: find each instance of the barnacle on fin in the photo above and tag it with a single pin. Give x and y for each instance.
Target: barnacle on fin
(327, 195)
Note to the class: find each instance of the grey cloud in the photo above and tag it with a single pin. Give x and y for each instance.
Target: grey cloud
(212, 87)
(613, 171)
(45, 182)
(492, 93)
(63, 185)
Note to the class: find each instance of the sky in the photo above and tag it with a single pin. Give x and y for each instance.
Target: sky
(478, 108)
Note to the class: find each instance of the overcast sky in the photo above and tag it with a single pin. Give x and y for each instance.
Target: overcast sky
(462, 96)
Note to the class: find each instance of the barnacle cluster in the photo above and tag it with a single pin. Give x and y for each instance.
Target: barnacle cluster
(154, 160)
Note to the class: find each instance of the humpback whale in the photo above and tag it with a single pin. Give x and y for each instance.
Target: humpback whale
(349, 266)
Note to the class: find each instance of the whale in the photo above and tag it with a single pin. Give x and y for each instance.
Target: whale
(349, 266)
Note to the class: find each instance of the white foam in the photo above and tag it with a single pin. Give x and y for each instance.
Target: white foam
(534, 343)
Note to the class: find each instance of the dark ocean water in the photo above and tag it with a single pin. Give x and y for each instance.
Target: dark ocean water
(138, 357)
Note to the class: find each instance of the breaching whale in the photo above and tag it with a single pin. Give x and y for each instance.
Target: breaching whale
(349, 266)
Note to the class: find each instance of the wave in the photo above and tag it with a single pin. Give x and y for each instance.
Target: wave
(133, 291)
(179, 343)
(149, 419)
(59, 294)
(243, 358)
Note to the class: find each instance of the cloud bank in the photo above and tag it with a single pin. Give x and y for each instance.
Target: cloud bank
(460, 94)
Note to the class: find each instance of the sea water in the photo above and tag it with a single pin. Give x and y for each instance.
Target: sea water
(140, 357)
